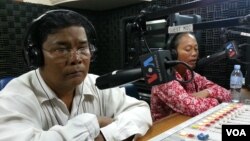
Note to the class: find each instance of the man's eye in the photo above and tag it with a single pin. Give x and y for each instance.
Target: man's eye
(62, 50)
(84, 47)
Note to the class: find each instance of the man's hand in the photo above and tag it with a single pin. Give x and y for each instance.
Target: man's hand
(104, 121)
(100, 137)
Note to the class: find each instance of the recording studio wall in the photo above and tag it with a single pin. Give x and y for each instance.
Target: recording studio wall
(14, 18)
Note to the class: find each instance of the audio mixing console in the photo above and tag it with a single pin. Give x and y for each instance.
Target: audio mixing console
(208, 125)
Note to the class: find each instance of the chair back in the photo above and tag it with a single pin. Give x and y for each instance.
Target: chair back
(131, 90)
(4, 81)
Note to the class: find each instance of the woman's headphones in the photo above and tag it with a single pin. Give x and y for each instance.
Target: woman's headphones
(171, 45)
(33, 45)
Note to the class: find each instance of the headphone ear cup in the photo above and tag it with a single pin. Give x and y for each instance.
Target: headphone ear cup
(33, 57)
(170, 46)
(174, 54)
(93, 50)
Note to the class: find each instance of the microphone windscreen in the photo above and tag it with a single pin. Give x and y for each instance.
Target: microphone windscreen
(117, 78)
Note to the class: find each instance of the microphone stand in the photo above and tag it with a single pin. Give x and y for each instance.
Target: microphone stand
(182, 7)
(229, 22)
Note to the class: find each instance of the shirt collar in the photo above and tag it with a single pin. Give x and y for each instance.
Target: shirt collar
(45, 93)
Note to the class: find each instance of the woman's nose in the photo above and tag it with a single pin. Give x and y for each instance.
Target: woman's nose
(195, 52)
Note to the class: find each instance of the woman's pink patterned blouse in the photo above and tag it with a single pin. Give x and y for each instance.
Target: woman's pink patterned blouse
(174, 96)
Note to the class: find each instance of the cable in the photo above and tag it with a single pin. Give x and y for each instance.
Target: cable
(175, 62)
(53, 105)
(238, 60)
(241, 62)
(146, 44)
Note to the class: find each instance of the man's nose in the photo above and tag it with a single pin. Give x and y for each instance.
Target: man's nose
(74, 54)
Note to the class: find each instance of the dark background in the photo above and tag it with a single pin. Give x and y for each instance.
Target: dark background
(15, 17)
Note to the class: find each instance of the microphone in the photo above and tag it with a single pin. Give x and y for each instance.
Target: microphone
(137, 24)
(231, 52)
(155, 69)
(117, 78)
(238, 33)
(245, 19)
(211, 58)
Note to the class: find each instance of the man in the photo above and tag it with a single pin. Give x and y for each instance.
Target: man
(59, 100)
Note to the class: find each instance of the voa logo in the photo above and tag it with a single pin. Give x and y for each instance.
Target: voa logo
(236, 132)
(151, 76)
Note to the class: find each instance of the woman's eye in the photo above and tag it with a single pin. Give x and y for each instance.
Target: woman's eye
(188, 49)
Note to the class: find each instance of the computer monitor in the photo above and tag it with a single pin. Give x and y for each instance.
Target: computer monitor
(157, 41)
(182, 19)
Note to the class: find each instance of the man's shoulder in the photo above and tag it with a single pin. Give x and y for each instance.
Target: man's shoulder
(90, 78)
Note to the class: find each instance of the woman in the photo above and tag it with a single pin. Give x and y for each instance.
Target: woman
(190, 98)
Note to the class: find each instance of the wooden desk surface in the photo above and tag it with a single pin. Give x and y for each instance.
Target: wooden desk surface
(163, 125)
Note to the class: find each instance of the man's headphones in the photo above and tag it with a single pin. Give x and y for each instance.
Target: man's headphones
(171, 45)
(33, 54)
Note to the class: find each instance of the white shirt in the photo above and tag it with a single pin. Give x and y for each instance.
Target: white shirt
(30, 110)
